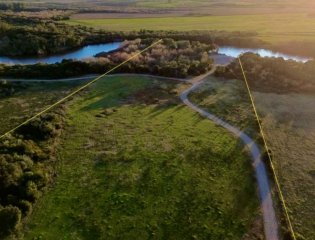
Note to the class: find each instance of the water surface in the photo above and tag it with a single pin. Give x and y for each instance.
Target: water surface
(84, 52)
(235, 52)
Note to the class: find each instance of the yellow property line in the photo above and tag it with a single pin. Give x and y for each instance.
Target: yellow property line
(268, 153)
(78, 90)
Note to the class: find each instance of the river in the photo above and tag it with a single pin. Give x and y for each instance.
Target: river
(235, 52)
(91, 50)
(84, 52)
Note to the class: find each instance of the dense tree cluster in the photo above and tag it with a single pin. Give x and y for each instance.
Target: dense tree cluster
(272, 74)
(13, 6)
(25, 36)
(169, 58)
(26, 166)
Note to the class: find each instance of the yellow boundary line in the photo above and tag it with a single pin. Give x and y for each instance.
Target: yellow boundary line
(268, 153)
(78, 90)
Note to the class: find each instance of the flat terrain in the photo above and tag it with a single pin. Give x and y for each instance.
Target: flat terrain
(136, 164)
(288, 121)
(273, 28)
(175, 7)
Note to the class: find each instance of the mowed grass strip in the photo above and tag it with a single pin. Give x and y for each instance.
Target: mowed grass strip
(273, 27)
(137, 164)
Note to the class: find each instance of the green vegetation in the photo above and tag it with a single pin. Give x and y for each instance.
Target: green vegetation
(135, 163)
(271, 27)
(283, 96)
(168, 58)
(272, 74)
(288, 120)
(228, 100)
(27, 157)
(287, 32)
(27, 166)
(19, 101)
(24, 36)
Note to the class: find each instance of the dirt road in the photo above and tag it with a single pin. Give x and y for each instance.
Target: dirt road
(268, 211)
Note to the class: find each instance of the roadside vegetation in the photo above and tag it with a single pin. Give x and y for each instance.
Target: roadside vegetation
(283, 93)
(227, 99)
(153, 169)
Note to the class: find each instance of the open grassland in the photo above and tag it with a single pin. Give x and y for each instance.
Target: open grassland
(137, 164)
(228, 100)
(288, 121)
(29, 99)
(289, 124)
(274, 28)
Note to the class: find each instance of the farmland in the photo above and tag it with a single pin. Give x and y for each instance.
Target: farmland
(273, 28)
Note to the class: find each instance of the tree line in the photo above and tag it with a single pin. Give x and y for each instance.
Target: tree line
(170, 58)
(272, 74)
(27, 166)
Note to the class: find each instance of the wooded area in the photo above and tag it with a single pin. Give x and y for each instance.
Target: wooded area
(272, 74)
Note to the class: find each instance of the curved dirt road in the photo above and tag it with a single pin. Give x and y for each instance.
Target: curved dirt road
(86, 77)
(268, 211)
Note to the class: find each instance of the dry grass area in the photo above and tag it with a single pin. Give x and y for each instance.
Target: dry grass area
(290, 127)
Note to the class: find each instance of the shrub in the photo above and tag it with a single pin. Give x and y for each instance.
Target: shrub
(10, 218)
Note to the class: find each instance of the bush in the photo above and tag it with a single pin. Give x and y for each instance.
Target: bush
(10, 218)
(25, 206)
(25, 169)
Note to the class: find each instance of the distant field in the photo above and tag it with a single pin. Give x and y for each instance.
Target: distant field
(210, 5)
(274, 28)
(137, 164)
(289, 123)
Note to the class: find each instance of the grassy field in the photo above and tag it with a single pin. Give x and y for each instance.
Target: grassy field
(288, 121)
(210, 5)
(137, 164)
(227, 99)
(273, 28)
(290, 128)
(30, 98)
